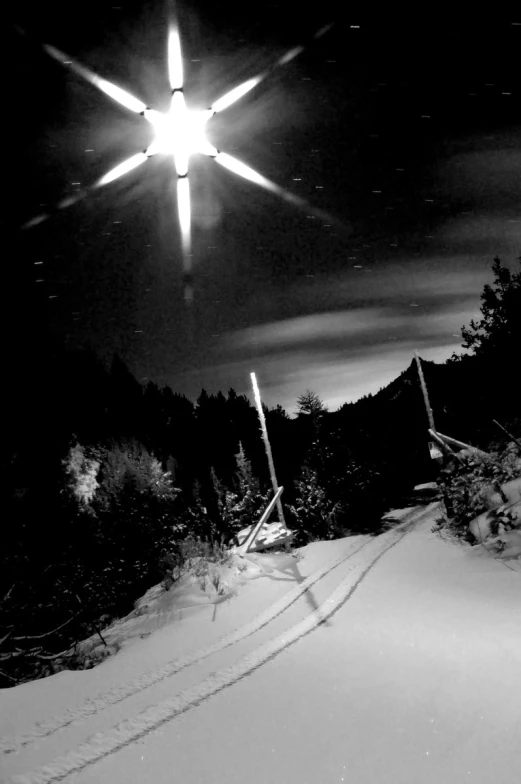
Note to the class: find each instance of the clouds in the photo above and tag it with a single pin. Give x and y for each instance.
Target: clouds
(488, 178)
(340, 351)
(340, 356)
(350, 332)
(336, 374)
(308, 330)
(486, 181)
(487, 233)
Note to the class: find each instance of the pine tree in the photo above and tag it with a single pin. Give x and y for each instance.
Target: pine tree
(243, 505)
(316, 514)
(497, 335)
(310, 403)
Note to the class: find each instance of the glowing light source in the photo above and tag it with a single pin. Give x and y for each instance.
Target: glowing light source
(179, 133)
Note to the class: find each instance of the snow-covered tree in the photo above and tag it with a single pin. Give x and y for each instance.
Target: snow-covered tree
(82, 471)
(316, 515)
(243, 505)
(128, 466)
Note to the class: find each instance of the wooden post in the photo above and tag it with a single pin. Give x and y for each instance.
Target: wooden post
(425, 393)
(518, 442)
(264, 431)
(444, 445)
(250, 539)
(461, 444)
(446, 448)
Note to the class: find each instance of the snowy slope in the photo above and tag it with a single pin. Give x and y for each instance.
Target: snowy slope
(393, 659)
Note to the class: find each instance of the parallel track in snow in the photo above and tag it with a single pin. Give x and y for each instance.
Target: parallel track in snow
(137, 727)
(118, 693)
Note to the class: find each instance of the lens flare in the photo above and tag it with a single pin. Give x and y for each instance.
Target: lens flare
(179, 133)
(175, 60)
(122, 168)
(289, 56)
(183, 207)
(116, 93)
(237, 167)
(228, 98)
(121, 96)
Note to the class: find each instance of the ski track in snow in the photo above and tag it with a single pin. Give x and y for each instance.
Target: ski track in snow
(119, 693)
(130, 730)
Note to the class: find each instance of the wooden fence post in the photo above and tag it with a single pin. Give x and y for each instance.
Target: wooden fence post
(518, 442)
(425, 394)
(264, 431)
(460, 444)
(445, 446)
(250, 539)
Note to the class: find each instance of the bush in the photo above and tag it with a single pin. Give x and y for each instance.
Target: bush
(466, 485)
(315, 515)
(191, 553)
(243, 505)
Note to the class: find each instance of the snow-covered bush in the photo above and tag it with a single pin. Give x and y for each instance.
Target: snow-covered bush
(189, 553)
(315, 515)
(82, 470)
(245, 503)
(468, 485)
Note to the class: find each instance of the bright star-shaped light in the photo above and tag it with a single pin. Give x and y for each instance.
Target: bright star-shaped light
(179, 133)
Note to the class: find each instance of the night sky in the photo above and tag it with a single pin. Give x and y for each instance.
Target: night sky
(405, 131)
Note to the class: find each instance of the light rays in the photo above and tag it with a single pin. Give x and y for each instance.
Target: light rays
(121, 169)
(179, 133)
(113, 91)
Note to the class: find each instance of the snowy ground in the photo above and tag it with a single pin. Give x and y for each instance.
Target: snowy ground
(370, 660)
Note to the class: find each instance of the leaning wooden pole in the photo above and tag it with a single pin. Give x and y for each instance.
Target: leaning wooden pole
(518, 442)
(267, 446)
(445, 447)
(460, 444)
(250, 540)
(425, 393)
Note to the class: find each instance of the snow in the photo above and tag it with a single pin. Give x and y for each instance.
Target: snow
(396, 514)
(369, 659)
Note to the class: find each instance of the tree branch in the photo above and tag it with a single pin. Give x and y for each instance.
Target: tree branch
(8, 594)
(4, 638)
(47, 634)
(50, 656)
(3, 674)
(19, 652)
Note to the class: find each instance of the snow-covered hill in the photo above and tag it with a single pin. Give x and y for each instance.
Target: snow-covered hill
(394, 658)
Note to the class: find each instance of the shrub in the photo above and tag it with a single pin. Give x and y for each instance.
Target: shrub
(191, 553)
(243, 505)
(467, 484)
(315, 515)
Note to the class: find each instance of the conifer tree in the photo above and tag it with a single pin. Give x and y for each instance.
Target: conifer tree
(497, 334)
(243, 505)
(315, 513)
(310, 403)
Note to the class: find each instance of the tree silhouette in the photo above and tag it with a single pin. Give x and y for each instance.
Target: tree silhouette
(310, 403)
(496, 336)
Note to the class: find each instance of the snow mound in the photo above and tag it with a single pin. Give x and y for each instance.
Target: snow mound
(205, 583)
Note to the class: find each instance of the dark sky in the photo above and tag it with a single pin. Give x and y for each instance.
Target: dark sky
(404, 130)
